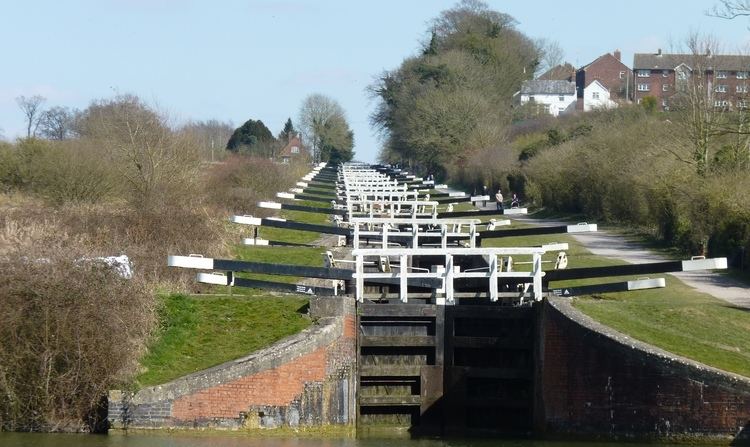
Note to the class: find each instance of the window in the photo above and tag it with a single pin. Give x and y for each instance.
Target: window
(561, 98)
(722, 74)
(721, 88)
(531, 99)
(742, 75)
(664, 73)
(665, 87)
(595, 95)
(742, 104)
(295, 150)
(622, 75)
(643, 73)
(682, 75)
(721, 103)
(664, 104)
(643, 87)
(741, 88)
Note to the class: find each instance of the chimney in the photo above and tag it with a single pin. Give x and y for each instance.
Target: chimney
(617, 54)
(658, 52)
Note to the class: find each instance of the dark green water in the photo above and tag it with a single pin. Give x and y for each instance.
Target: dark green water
(218, 440)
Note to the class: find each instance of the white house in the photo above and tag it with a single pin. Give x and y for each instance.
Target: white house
(553, 97)
(596, 96)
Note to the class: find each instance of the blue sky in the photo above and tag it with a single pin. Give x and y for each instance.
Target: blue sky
(236, 60)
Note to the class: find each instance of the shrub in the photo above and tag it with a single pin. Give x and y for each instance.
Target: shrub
(69, 331)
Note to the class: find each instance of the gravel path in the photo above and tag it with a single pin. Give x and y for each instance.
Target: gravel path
(603, 243)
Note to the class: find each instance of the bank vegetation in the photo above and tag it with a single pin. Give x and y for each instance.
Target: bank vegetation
(121, 179)
(681, 176)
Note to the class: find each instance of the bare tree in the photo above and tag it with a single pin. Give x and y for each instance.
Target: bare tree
(31, 109)
(316, 116)
(552, 55)
(730, 9)
(56, 123)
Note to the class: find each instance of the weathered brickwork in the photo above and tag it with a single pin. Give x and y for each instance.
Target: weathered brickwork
(595, 381)
(277, 386)
(306, 379)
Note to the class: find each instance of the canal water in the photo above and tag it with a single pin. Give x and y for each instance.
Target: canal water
(219, 440)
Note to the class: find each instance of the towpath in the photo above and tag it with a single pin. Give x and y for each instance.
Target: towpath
(611, 245)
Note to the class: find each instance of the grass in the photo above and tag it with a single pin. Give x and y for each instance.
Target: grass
(677, 318)
(308, 256)
(199, 332)
(295, 236)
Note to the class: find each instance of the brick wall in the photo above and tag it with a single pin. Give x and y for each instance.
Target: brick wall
(595, 381)
(306, 379)
(606, 70)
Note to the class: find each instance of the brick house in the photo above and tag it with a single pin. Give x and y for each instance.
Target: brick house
(726, 78)
(611, 73)
(562, 72)
(293, 150)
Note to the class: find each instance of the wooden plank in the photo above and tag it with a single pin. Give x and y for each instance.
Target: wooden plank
(398, 310)
(431, 390)
(401, 340)
(389, 370)
(389, 401)
(491, 373)
(492, 342)
(493, 312)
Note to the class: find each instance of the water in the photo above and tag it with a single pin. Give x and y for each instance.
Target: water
(236, 440)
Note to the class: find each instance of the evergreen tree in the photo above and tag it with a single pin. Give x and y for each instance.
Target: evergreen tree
(288, 128)
(254, 137)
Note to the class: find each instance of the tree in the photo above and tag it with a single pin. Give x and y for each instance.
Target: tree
(254, 137)
(209, 135)
(56, 123)
(552, 54)
(730, 9)
(323, 123)
(31, 110)
(699, 119)
(649, 103)
(159, 167)
(438, 109)
(288, 129)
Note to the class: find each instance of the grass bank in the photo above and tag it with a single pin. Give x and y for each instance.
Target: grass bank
(197, 332)
(677, 318)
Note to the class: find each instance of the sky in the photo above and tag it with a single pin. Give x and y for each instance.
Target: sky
(258, 59)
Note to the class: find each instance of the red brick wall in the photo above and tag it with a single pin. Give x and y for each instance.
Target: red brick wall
(278, 386)
(593, 384)
(607, 70)
(274, 387)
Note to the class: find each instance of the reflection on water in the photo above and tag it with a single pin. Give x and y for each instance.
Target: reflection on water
(236, 440)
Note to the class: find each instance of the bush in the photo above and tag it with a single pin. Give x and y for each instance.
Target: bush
(69, 331)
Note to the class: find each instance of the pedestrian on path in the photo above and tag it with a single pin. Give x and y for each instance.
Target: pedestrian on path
(499, 198)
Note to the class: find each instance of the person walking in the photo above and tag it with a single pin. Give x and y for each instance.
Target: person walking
(499, 198)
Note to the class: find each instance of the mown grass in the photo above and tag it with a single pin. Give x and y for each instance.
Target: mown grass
(677, 318)
(197, 332)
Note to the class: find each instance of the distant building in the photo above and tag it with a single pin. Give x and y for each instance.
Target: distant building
(597, 97)
(554, 97)
(293, 150)
(667, 76)
(610, 72)
(562, 72)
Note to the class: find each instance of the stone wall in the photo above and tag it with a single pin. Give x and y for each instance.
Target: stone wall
(305, 379)
(593, 381)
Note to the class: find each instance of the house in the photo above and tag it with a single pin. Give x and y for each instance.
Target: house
(562, 72)
(293, 150)
(597, 97)
(610, 72)
(554, 97)
(726, 78)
